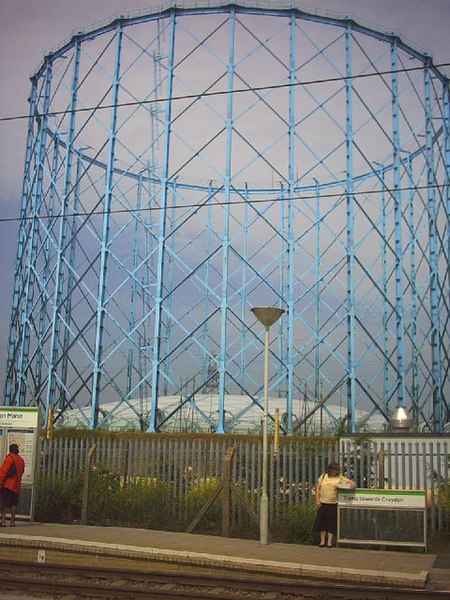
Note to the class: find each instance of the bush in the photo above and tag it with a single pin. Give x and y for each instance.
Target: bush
(148, 505)
(151, 504)
(58, 500)
(444, 493)
(295, 523)
(104, 505)
(196, 497)
(140, 503)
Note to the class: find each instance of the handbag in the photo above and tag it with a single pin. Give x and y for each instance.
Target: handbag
(12, 469)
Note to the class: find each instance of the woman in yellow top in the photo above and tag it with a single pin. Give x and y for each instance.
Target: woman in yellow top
(326, 502)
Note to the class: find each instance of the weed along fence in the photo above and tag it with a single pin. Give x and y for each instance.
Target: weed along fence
(177, 482)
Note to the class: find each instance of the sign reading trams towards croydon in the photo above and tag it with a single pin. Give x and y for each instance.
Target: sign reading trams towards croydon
(386, 499)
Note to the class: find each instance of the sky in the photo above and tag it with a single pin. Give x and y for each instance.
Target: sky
(30, 28)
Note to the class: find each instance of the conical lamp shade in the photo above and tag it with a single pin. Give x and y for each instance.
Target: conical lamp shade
(267, 315)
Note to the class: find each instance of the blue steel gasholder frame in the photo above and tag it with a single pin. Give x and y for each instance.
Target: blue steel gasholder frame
(186, 164)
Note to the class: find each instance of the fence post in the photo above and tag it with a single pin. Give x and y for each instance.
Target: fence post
(226, 493)
(87, 471)
(381, 468)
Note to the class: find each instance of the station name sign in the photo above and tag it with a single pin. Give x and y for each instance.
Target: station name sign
(13, 416)
(386, 499)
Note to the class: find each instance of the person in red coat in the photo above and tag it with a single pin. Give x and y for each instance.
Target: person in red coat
(11, 473)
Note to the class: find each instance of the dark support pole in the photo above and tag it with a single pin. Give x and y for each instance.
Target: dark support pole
(87, 472)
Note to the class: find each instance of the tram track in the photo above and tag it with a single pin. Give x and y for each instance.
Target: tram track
(117, 584)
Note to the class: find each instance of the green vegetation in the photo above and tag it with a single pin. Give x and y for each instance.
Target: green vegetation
(58, 500)
(146, 504)
(295, 523)
(151, 504)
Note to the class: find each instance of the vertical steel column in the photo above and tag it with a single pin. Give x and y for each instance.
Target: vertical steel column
(412, 283)
(244, 290)
(317, 291)
(162, 233)
(433, 260)
(104, 251)
(446, 122)
(290, 234)
(399, 318)
(281, 286)
(70, 285)
(133, 295)
(226, 228)
(205, 358)
(62, 237)
(32, 241)
(169, 280)
(384, 291)
(147, 301)
(351, 379)
(446, 197)
(14, 327)
(46, 252)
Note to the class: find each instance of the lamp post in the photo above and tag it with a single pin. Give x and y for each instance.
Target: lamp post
(267, 316)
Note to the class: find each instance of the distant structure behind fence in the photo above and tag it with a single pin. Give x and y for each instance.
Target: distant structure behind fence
(188, 163)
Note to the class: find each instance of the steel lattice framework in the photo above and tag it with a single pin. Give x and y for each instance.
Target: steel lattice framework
(185, 165)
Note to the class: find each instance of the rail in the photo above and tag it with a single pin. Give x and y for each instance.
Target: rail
(114, 583)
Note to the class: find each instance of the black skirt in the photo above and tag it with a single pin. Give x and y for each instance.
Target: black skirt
(9, 497)
(326, 519)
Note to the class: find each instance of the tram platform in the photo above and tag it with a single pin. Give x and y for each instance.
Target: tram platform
(144, 549)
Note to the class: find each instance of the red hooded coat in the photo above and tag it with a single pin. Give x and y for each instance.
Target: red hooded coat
(12, 482)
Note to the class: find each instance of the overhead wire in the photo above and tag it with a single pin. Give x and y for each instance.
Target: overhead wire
(221, 92)
(207, 203)
(217, 93)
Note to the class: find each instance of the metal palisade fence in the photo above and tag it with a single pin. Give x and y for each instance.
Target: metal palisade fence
(185, 464)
